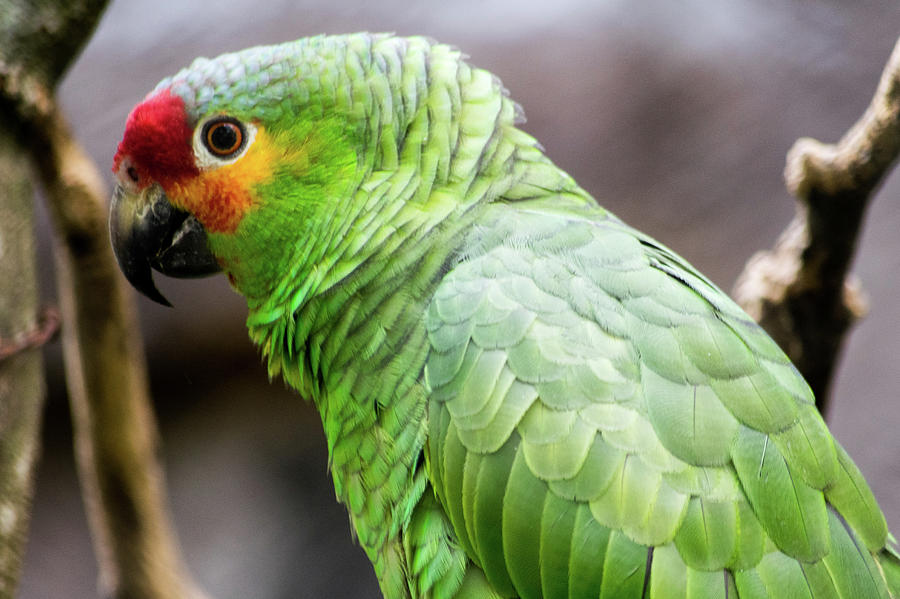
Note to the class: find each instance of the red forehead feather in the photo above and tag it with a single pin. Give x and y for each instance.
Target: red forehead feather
(158, 139)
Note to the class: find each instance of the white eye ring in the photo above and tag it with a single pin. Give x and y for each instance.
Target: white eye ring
(204, 157)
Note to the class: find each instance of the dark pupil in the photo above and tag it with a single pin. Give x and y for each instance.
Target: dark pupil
(223, 137)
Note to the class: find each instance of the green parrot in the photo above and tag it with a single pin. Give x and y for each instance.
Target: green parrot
(522, 395)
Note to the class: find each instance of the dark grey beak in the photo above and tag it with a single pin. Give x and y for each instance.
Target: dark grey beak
(148, 232)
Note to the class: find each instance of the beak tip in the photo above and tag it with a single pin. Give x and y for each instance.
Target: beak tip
(157, 297)
(141, 279)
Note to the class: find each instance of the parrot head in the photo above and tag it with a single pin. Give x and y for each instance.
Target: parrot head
(218, 158)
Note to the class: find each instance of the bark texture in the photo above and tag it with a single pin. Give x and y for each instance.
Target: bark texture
(21, 365)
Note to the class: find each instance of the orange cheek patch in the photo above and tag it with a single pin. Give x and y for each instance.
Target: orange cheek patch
(219, 201)
(220, 198)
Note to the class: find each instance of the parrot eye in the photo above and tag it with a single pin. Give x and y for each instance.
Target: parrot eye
(223, 137)
(221, 140)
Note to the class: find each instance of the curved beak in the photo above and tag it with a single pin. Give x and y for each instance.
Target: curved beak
(148, 232)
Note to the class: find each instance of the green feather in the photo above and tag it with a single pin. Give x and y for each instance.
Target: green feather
(792, 513)
(750, 537)
(523, 507)
(624, 568)
(668, 574)
(690, 420)
(587, 551)
(706, 539)
(809, 448)
(600, 465)
(493, 479)
(453, 472)
(557, 526)
(853, 499)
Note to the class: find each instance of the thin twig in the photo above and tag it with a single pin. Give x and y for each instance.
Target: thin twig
(800, 291)
(43, 331)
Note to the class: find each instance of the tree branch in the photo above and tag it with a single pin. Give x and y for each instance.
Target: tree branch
(115, 431)
(21, 377)
(800, 291)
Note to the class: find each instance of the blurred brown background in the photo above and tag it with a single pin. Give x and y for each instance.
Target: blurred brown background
(676, 114)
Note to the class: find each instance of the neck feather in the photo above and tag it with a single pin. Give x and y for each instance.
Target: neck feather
(438, 141)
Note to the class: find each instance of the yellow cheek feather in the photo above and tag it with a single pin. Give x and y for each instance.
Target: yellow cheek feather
(220, 197)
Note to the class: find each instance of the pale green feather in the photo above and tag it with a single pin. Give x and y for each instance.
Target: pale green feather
(689, 433)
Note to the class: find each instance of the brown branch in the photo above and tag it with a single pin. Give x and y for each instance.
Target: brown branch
(21, 378)
(800, 291)
(115, 431)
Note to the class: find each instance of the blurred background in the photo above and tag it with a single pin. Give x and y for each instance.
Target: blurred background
(675, 115)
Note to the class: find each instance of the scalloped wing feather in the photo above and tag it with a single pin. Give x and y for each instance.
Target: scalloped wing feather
(606, 422)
